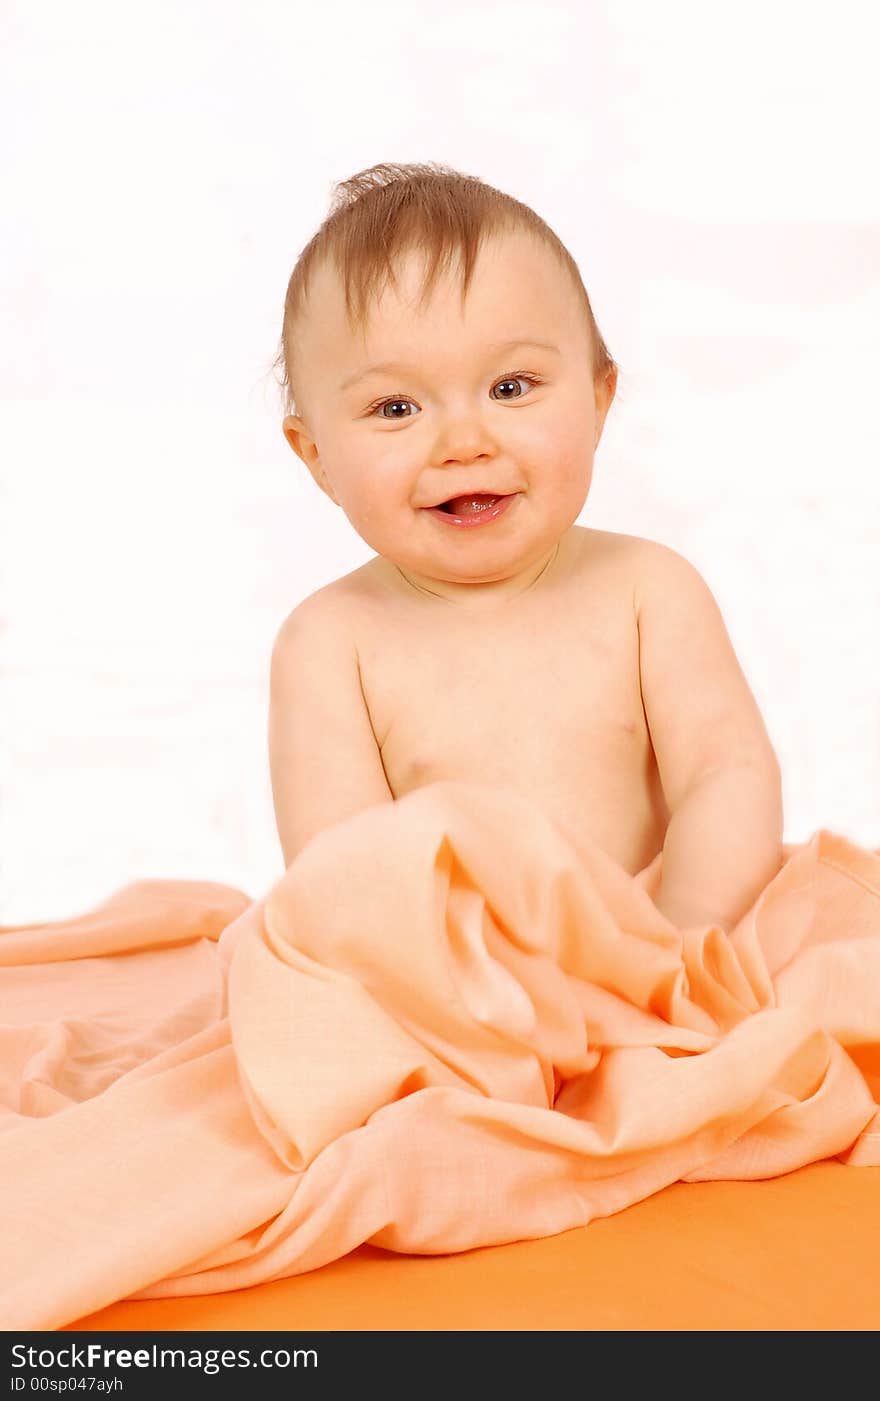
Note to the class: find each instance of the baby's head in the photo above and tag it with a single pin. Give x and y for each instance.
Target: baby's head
(438, 342)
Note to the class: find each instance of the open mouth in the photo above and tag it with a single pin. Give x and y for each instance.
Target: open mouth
(478, 509)
(468, 505)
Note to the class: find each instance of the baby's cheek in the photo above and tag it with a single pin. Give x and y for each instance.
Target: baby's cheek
(574, 465)
(378, 518)
(562, 454)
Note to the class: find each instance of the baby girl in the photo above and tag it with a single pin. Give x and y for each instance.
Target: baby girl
(448, 387)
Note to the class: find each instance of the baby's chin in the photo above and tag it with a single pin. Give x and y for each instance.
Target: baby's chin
(498, 577)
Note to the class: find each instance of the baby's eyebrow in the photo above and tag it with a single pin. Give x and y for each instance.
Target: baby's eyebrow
(400, 368)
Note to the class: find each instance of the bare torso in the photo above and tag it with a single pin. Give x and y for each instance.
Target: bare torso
(542, 697)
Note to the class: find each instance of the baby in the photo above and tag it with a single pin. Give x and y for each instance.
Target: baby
(450, 387)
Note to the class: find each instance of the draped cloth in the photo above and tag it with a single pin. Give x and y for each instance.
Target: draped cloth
(443, 1027)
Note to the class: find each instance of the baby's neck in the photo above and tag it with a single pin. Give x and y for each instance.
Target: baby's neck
(490, 594)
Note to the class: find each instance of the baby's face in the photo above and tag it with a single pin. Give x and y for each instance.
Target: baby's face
(469, 407)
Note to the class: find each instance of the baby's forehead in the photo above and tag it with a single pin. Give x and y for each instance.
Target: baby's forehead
(416, 277)
(501, 295)
(511, 297)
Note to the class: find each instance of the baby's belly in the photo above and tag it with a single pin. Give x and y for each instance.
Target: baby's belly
(618, 805)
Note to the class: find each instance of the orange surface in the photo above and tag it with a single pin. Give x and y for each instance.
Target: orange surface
(791, 1253)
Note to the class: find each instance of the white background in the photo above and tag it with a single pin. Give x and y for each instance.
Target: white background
(712, 170)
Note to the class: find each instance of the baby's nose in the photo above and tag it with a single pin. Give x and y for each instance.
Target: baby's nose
(464, 437)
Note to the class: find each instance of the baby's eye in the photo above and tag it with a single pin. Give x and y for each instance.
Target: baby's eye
(387, 403)
(513, 379)
(401, 399)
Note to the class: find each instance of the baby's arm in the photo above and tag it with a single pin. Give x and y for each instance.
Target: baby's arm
(720, 775)
(324, 761)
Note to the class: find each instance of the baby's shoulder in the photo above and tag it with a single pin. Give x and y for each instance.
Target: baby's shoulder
(630, 556)
(328, 612)
(638, 566)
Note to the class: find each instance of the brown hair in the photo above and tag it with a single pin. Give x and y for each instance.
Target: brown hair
(390, 209)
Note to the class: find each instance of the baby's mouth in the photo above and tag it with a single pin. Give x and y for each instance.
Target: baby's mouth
(468, 505)
(474, 511)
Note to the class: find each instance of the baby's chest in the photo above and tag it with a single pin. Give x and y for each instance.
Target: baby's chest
(550, 711)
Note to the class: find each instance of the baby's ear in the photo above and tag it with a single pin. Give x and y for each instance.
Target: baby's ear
(297, 435)
(304, 446)
(604, 391)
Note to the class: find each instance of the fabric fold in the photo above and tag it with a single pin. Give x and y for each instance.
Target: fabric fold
(441, 1028)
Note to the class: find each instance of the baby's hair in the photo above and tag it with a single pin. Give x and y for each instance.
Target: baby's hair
(389, 210)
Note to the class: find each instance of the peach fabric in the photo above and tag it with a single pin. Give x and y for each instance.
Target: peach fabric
(443, 1028)
(796, 1252)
